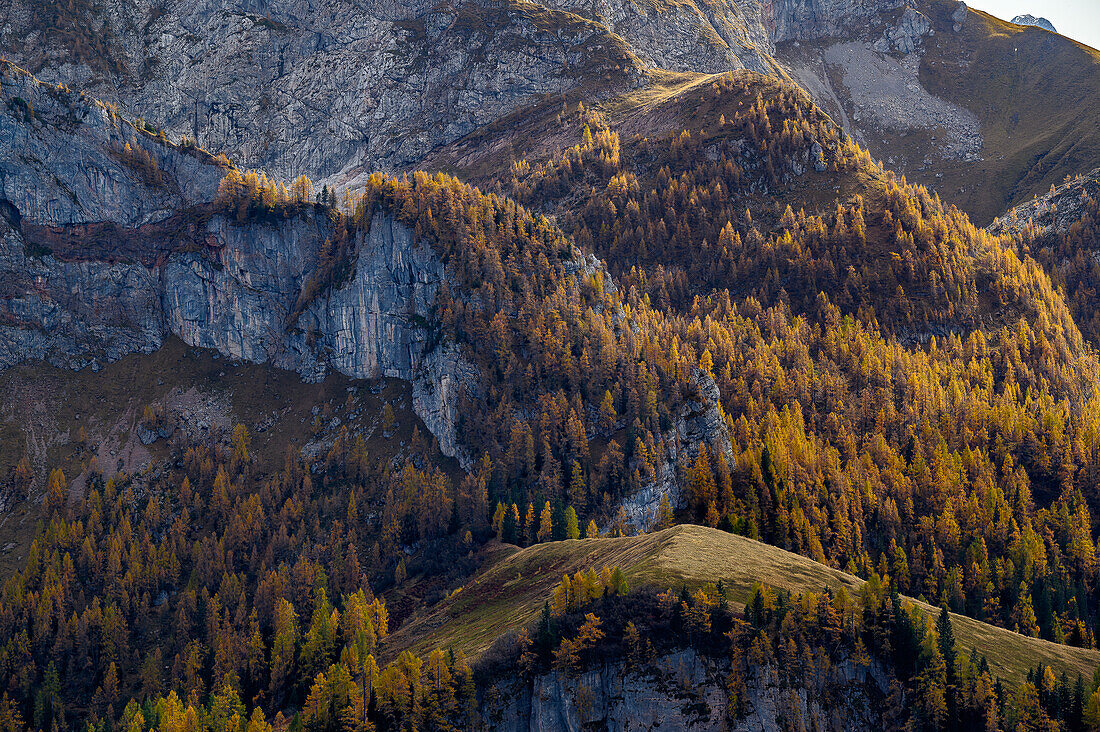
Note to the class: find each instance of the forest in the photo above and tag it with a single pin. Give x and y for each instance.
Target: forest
(907, 397)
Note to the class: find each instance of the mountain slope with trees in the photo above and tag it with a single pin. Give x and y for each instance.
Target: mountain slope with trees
(692, 292)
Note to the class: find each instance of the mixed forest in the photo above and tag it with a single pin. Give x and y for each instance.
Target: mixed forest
(907, 397)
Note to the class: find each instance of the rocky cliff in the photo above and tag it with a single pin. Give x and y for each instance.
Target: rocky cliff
(700, 422)
(105, 251)
(682, 691)
(299, 87)
(238, 295)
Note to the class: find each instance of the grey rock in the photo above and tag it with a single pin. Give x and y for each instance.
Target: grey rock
(146, 435)
(61, 160)
(123, 279)
(699, 422)
(907, 35)
(683, 690)
(815, 19)
(958, 18)
(319, 88)
(1031, 20)
(340, 88)
(884, 91)
(818, 155)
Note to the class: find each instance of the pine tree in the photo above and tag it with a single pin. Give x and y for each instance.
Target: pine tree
(947, 650)
(572, 529)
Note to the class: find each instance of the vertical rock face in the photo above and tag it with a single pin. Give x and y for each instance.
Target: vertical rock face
(682, 691)
(63, 160)
(700, 423)
(109, 244)
(803, 20)
(370, 326)
(239, 297)
(700, 35)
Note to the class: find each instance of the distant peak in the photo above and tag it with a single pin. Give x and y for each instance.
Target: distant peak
(1037, 22)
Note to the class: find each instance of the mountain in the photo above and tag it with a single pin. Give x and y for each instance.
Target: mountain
(287, 88)
(305, 87)
(1037, 22)
(284, 454)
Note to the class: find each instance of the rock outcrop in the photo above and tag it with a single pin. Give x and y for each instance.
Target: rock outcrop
(682, 691)
(301, 87)
(337, 89)
(1052, 212)
(700, 422)
(907, 35)
(698, 35)
(1028, 19)
(804, 20)
(64, 160)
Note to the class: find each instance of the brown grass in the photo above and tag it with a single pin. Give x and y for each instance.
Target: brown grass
(517, 582)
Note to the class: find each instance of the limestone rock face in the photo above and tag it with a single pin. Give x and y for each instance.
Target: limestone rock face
(238, 297)
(63, 160)
(803, 20)
(684, 691)
(700, 422)
(700, 35)
(304, 87)
(105, 252)
(906, 36)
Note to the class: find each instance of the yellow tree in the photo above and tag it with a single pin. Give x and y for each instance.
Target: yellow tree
(545, 523)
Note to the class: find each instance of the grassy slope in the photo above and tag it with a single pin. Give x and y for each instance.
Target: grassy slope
(512, 590)
(1035, 95)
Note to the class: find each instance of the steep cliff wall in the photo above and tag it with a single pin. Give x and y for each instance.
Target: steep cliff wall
(109, 244)
(700, 422)
(682, 691)
(238, 296)
(64, 160)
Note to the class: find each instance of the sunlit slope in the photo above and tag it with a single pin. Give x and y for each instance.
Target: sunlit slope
(511, 592)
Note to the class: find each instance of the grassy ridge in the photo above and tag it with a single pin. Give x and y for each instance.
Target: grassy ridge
(511, 592)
